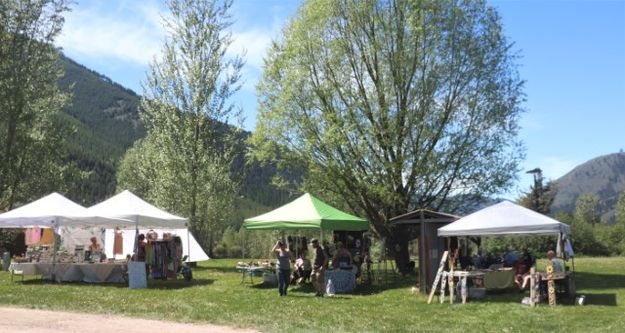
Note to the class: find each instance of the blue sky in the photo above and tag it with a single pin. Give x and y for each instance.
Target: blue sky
(572, 58)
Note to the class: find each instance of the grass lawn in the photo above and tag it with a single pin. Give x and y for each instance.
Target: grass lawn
(216, 296)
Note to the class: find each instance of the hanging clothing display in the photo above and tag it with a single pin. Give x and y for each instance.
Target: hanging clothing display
(164, 258)
(48, 237)
(32, 236)
(118, 242)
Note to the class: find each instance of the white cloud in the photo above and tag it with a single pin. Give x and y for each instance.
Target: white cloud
(131, 32)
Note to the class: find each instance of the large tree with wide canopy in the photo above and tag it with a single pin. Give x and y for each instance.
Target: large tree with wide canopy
(393, 105)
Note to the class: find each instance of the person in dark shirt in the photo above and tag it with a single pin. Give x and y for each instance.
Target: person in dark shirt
(320, 262)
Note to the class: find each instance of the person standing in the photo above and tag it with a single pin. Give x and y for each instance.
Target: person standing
(320, 262)
(284, 266)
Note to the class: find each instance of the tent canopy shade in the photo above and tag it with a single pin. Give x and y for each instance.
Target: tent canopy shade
(307, 212)
(50, 212)
(189, 242)
(136, 212)
(504, 219)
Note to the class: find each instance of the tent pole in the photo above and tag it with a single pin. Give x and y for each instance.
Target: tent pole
(53, 274)
(136, 238)
(188, 245)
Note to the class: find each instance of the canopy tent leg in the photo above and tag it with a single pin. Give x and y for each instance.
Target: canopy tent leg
(136, 239)
(53, 273)
(188, 245)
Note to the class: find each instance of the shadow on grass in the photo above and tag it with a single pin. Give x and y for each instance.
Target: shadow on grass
(586, 280)
(600, 299)
(152, 284)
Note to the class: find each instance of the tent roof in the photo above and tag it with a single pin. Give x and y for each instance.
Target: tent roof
(45, 212)
(429, 216)
(307, 212)
(134, 210)
(504, 219)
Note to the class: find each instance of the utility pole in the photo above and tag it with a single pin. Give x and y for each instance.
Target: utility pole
(538, 187)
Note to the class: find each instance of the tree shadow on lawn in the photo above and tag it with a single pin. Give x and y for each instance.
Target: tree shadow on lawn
(361, 289)
(513, 296)
(586, 280)
(152, 284)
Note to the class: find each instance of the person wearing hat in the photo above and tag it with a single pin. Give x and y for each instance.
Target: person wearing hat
(320, 262)
(284, 266)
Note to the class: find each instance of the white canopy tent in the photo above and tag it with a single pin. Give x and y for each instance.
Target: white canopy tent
(53, 211)
(128, 207)
(504, 219)
(194, 248)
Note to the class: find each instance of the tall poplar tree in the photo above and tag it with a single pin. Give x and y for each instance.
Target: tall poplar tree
(186, 157)
(393, 105)
(31, 135)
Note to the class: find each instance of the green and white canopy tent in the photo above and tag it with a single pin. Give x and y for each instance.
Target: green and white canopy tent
(307, 212)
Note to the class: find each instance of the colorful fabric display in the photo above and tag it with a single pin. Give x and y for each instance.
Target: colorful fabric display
(118, 243)
(48, 237)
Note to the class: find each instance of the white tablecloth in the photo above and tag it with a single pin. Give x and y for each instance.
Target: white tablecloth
(26, 268)
(344, 281)
(73, 272)
(99, 273)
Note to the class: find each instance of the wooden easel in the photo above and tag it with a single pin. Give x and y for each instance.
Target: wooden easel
(439, 273)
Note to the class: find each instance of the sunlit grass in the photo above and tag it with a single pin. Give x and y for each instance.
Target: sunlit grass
(216, 295)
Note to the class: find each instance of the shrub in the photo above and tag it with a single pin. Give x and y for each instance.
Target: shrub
(219, 251)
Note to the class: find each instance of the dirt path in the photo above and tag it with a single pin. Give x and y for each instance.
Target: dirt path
(20, 320)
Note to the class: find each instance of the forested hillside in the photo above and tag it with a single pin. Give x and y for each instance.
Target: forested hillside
(106, 118)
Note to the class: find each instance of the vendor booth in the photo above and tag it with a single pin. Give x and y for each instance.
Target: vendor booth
(163, 252)
(309, 213)
(41, 219)
(60, 214)
(509, 219)
(425, 224)
(193, 252)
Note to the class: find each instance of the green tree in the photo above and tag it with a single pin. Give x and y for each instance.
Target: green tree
(186, 157)
(31, 134)
(541, 196)
(586, 209)
(391, 105)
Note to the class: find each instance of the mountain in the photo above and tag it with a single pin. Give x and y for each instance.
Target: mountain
(603, 176)
(106, 118)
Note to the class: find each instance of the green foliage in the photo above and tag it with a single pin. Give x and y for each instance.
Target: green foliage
(31, 137)
(391, 105)
(540, 198)
(185, 162)
(586, 209)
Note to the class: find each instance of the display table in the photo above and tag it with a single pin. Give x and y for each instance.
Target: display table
(501, 279)
(26, 269)
(344, 281)
(250, 271)
(73, 272)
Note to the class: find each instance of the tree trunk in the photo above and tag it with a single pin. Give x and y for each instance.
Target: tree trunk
(397, 246)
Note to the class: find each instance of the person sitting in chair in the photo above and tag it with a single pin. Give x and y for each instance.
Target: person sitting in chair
(522, 269)
(302, 269)
(342, 258)
(557, 263)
